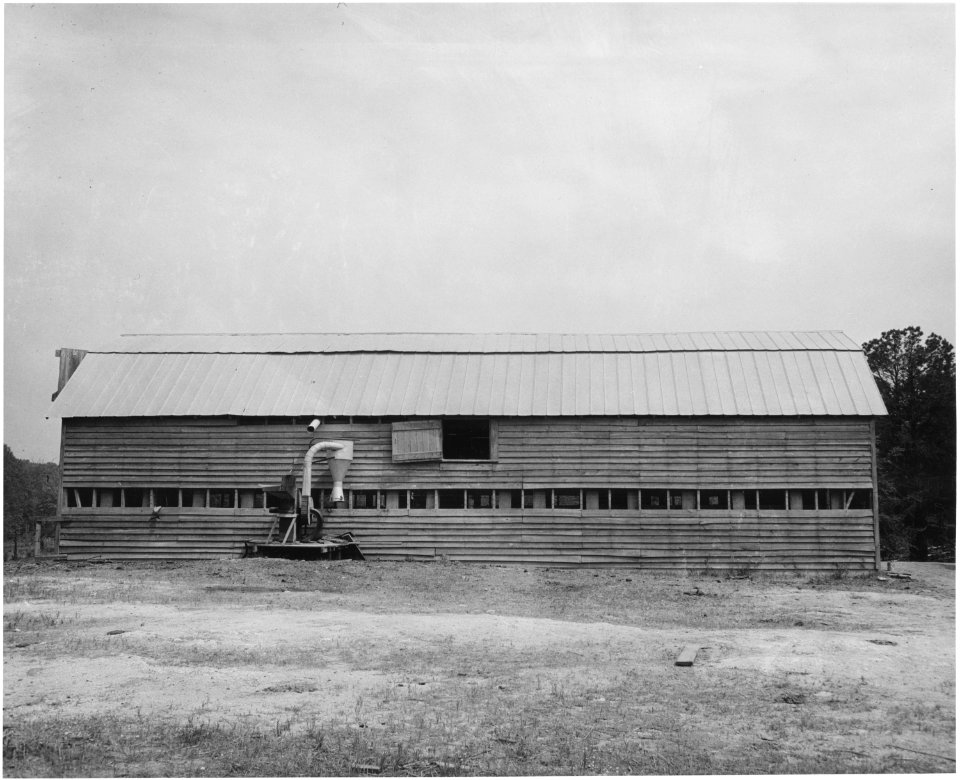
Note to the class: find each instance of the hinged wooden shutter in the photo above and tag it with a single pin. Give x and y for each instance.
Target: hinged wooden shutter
(418, 440)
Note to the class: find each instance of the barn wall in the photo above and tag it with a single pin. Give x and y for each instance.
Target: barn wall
(531, 452)
(744, 453)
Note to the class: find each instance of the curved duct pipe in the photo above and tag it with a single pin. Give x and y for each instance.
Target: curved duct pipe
(342, 454)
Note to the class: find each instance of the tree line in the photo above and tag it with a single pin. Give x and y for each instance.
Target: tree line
(916, 444)
(29, 494)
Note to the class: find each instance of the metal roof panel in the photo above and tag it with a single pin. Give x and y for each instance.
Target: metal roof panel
(747, 382)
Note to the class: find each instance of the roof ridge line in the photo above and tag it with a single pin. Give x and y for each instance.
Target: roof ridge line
(470, 333)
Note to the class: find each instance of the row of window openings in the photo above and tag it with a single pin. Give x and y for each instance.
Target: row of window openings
(446, 498)
(611, 498)
(217, 498)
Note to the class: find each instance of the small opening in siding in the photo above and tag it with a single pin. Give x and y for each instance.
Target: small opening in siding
(167, 497)
(773, 499)
(713, 499)
(860, 499)
(479, 499)
(79, 497)
(221, 499)
(653, 498)
(366, 499)
(136, 497)
(450, 499)
(536, 499)
(421, 499)
(566, 499)
(108, 497)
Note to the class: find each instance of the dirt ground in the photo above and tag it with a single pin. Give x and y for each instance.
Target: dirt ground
(802, 673)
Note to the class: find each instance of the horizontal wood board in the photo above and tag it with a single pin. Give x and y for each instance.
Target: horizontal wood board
(664, 540)
(531, 452)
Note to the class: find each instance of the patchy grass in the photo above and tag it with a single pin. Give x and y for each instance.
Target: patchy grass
(596, 736)
(286, 668)
(568, 594)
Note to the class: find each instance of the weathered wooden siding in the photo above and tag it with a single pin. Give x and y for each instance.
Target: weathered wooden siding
(582, 452)
(676, 453)
(176, 534)
(778, 541)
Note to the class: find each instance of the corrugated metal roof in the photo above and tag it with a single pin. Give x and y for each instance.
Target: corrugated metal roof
(744, 381)
(481, 343)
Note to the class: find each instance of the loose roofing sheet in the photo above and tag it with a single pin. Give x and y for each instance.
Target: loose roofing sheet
(412, 374)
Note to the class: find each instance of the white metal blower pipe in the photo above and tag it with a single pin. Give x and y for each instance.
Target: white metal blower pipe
(340, 449)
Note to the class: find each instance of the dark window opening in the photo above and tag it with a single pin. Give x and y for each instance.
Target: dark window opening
(221, 499)
(743, 499)
(450, 499)
(421, 499)
(466, 440)
(653, 499)
(859, 499)
(393, 499)
(134, 497)
(365, 499)
(803, 499)
(714, 499)
(508, 499)
(171, 497)
(536, 499)
(773, 499)
(835, 499)
(594, 498)
(621, 499)
(250, 499)
(79, 497)
(479, 499)
(566, 499)
(108, 497)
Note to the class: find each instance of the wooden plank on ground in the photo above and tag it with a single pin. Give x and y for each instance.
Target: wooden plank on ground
(687, 656)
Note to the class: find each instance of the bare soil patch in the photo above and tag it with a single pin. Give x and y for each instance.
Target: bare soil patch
(272, 668)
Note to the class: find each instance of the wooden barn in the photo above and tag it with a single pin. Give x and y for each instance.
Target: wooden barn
(688, 450)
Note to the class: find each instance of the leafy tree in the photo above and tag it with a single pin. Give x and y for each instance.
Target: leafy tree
(29, 494)
(916, 442)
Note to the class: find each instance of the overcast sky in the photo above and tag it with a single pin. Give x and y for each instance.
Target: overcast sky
(571, 168)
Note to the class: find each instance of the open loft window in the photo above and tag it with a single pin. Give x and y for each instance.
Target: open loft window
(466, 440)
(450, 439)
